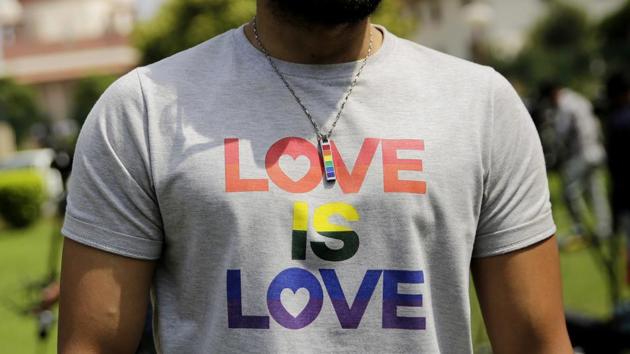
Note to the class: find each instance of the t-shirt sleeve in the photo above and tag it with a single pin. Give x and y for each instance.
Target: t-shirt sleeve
(112, 204)
(515, 210)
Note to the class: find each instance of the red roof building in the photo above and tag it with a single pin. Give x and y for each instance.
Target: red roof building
(53, 43)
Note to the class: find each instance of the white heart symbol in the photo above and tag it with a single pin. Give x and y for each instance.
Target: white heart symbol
(294, 168)
(294, 302)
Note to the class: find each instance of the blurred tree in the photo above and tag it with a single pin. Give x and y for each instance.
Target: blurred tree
(560, 48)
(18, 108)
(398, 16)
(614, 32)
(86, 93)
(181, 24)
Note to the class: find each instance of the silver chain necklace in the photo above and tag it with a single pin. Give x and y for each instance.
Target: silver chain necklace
(323, 138)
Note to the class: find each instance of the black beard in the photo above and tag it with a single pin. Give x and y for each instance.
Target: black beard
(324, 12)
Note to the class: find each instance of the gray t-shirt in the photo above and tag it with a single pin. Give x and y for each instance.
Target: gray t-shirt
(205, 162)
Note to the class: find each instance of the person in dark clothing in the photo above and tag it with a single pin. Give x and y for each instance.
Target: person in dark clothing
(618, 147)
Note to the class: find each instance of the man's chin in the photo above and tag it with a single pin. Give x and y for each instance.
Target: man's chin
(325, 12)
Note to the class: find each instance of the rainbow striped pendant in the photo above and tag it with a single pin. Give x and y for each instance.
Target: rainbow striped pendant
(327, 159)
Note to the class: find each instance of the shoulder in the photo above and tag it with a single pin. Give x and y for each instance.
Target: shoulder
(439, 65)
(176, 76)
(202, 60)
(444, 74)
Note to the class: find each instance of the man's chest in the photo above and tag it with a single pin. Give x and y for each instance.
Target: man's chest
(249, 164)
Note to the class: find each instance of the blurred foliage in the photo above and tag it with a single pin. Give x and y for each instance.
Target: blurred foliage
(181, 24)
(86, 93)
(561, 48)
(397, 16)
(614, 33)
(22, 193)
(18, 108)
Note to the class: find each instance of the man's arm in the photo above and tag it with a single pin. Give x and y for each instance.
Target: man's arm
(103, 302)
(520, 294)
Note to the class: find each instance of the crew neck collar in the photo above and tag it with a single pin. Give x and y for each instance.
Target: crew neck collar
(318, 71)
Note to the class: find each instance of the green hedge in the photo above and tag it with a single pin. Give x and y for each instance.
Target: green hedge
(22, 193)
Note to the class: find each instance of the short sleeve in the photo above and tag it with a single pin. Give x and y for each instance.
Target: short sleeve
(111, 199)
(515, 210)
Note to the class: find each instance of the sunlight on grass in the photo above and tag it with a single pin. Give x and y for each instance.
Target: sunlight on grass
(23, 262)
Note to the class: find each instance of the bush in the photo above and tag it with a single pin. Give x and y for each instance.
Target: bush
(560, 48)
(18, 107)
(22, 193)
(615, 38)
(86, 93)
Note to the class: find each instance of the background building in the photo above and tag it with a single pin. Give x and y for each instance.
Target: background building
(49, 44)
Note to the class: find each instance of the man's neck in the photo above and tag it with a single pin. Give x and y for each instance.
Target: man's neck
(312, 44)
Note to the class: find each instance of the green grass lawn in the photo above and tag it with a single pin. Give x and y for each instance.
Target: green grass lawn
(24, 259)
(24, 256)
